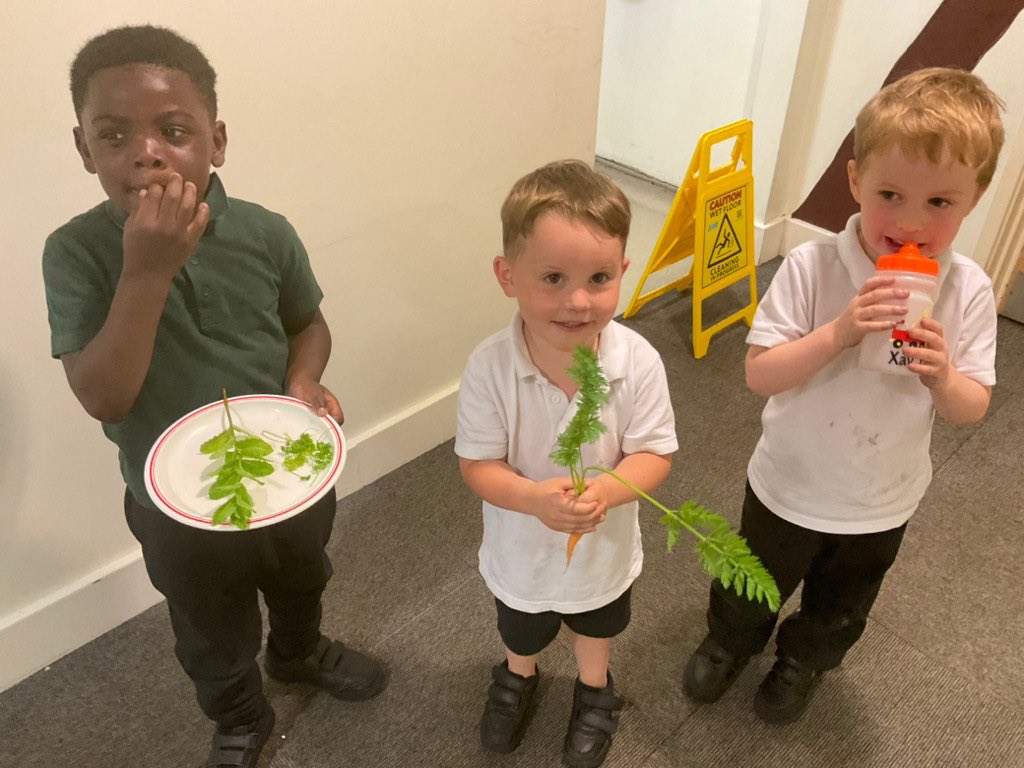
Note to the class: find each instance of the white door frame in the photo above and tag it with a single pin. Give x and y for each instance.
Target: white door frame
(1002, 237)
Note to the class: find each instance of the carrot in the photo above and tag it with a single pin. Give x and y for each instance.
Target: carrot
(574, 539)
(585, 426)
(724, 554)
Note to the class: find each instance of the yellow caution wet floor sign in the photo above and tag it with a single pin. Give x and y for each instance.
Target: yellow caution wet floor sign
(711, 219)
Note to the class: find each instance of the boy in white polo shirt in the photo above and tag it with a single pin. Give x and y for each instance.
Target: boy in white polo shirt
(843, 460)
(564, 234)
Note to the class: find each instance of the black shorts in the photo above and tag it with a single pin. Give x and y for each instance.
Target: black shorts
(527, 634)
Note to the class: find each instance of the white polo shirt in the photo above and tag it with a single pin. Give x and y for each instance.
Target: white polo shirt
(508, 408)
(848, 451)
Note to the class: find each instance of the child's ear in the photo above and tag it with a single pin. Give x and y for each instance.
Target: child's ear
(83, 149)
(851, 172)
(503, 271)
(220, 143)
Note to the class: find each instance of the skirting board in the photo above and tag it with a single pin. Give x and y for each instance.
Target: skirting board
(796, 232)
(398, 439)
(781, 235)
(768, 240)
(51, 628)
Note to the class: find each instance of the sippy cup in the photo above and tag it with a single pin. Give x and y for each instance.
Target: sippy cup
(885, 350)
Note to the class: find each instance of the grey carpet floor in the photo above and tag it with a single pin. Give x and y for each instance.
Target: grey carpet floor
(937, 680)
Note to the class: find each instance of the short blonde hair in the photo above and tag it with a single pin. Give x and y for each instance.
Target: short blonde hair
(569, 188)
(933, 112)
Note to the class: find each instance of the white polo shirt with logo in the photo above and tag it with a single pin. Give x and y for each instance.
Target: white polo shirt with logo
(848, 451)
(508, 408)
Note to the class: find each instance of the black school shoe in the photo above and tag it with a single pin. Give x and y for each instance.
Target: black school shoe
(595, 717)
(710, 671)
(240, 747)
(785, 691)
(342, 672)
(508, 705)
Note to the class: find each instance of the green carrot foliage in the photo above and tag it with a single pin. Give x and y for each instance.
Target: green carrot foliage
(722, 552)
(585, 426)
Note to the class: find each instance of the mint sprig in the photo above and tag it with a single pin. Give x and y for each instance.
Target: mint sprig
(242, 454)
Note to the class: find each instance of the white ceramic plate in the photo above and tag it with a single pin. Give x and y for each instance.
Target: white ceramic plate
(178, 477)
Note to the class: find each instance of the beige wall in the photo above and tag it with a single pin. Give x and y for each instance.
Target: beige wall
(667, 78)
(387, 132)
(673, 71)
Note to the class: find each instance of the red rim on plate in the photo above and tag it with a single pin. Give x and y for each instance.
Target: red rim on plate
(299, 496)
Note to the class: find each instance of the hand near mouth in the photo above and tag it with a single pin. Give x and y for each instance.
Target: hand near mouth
(163, 228)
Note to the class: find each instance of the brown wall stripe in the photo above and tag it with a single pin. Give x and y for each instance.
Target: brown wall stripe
(958, 34)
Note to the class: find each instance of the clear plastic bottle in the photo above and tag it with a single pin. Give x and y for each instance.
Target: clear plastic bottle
(886, 351)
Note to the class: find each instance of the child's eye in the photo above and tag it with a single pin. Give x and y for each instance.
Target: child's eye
(939, 202)
(600, 278)
(553, 278)
(112, 137)
(174, 132)
(887, 194)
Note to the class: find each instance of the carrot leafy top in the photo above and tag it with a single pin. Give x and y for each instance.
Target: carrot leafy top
(722, 552)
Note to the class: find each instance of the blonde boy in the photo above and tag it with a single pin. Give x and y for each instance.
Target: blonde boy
(843, 460)
(564, 232)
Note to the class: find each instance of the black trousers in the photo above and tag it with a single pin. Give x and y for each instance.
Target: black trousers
(841, 574)
(211, 580)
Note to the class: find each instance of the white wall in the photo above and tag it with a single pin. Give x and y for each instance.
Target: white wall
(387, 132)
(848, 50)
(852, 47)
(1000, 68)
(800, 70)
(673, 71)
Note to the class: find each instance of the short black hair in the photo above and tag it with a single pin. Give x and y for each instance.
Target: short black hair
(144, 44)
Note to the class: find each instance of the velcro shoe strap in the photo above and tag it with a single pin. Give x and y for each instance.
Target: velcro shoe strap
(598, 700)
(331, 655)
(223, 757)
(233, 741)
(322, 645)
(601, 722)
(501, 695)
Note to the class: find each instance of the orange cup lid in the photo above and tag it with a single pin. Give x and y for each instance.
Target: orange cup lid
(909, 259)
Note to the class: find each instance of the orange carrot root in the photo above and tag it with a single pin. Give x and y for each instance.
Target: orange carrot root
(574, 539)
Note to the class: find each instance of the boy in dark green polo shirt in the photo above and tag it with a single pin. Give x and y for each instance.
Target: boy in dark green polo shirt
(158, 298)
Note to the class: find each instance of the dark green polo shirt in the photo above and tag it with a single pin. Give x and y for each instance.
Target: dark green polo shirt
(225, 325)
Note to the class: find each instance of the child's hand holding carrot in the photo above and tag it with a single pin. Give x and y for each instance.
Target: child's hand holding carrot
(555, 504)
(596, 492)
